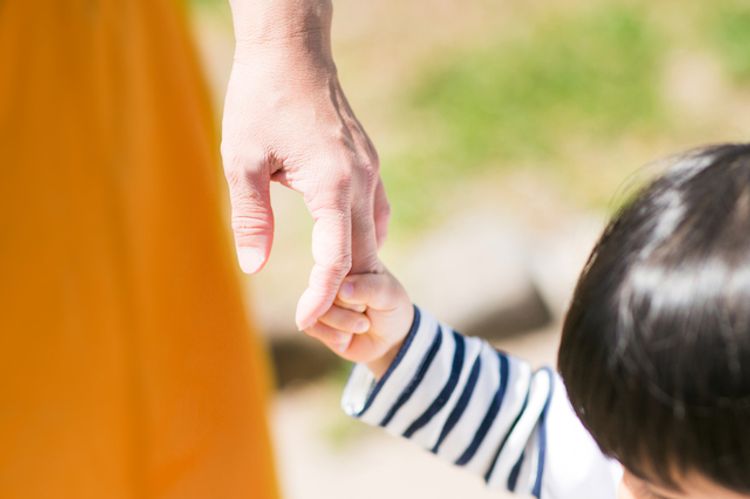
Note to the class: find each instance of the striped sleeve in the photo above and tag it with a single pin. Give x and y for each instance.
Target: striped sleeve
(482, 410)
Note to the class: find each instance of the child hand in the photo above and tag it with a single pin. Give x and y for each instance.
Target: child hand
(368, 321)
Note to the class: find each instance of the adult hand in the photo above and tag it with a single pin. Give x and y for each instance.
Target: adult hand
(286, 119)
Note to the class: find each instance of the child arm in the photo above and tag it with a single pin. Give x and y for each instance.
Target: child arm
(459, 398)
(462, 400)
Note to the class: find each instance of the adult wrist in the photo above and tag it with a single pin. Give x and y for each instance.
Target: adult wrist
(282, 23)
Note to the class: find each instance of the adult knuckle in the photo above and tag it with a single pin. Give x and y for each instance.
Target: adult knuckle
(340, 263)
(343, 185)
(371, 176)
(342, 181)
(249, 224)
(238, 159)
(372, 164)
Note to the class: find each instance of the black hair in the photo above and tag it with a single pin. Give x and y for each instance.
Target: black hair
(655, 351)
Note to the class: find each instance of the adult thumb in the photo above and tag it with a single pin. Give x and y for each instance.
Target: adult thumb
(252, 216)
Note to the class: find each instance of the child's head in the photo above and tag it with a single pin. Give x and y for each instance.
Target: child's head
(655, 352)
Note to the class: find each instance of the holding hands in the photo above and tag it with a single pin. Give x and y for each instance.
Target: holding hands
(368, 321)
(287, 120)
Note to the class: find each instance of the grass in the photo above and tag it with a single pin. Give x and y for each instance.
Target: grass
(589, 75)
(729, 31)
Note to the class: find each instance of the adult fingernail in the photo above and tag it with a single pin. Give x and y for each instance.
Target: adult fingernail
(308, 310)
(251, 259)
(347, 290)
(303, 326)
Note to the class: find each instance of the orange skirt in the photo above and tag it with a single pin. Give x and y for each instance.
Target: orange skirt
(127, 365)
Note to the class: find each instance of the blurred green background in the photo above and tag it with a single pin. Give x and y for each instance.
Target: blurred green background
(580, 93)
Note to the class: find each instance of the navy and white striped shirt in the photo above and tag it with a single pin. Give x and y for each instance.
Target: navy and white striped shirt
(485, 411)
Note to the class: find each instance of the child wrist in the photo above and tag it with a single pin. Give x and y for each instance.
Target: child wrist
(379, 366)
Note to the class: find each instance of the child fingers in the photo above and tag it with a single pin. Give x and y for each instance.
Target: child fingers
(334, 339)
(344, 319)
(372, 290)
(357, 307)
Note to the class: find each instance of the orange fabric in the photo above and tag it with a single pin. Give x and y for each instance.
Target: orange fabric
(127, 366)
